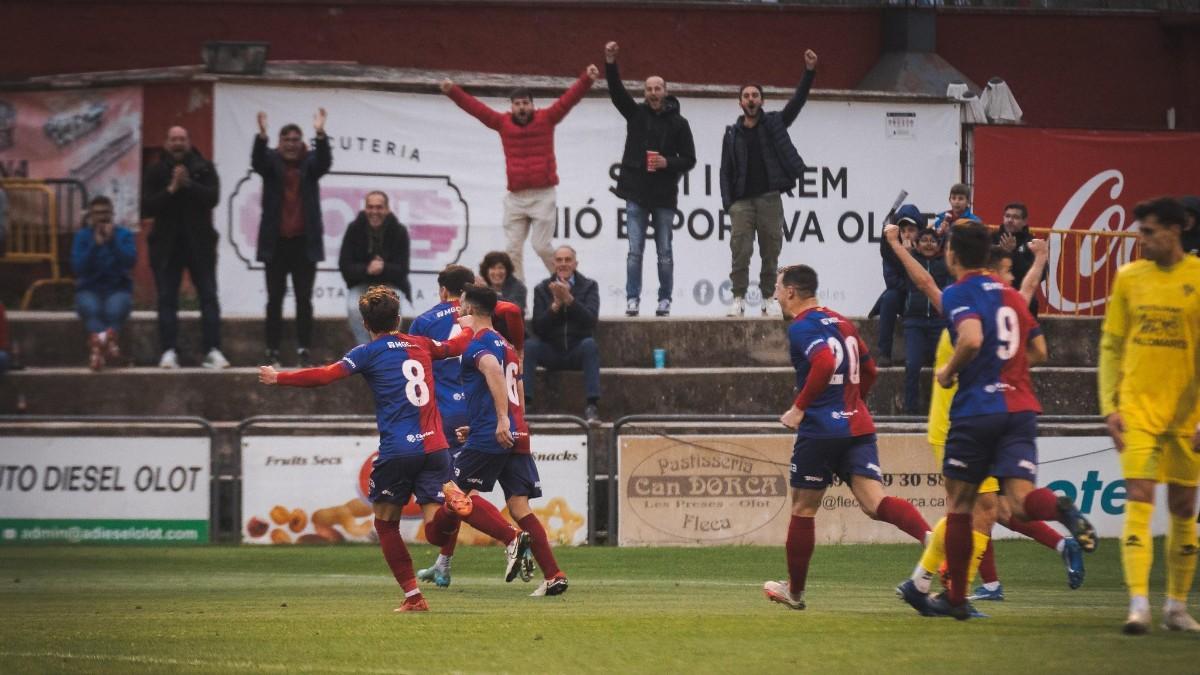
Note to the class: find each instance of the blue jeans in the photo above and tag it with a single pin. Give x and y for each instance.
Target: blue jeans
(920, 344)
(637, 220)
(584, 356)
(890, 304)
(101, 311)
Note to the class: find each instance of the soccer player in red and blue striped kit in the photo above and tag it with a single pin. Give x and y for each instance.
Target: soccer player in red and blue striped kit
(835, 434)
(993, 417)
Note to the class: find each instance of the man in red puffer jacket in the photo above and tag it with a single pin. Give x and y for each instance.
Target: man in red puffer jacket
(527, 135)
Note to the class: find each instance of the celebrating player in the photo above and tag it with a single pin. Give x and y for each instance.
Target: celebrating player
(1150, 396)
(835, 433)
(993, 417)
(489, 369)
(988, 509)
(412, 448)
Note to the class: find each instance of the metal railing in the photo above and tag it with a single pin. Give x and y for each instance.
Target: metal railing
(1082, 267)
(33, 228)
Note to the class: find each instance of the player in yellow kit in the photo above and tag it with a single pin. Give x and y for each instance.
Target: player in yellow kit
(1150, 397)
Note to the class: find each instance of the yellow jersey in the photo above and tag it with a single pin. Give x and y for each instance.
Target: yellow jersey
(1150, 348)
(940, 398)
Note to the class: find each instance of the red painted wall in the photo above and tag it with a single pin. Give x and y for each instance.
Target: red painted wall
(1109, 70)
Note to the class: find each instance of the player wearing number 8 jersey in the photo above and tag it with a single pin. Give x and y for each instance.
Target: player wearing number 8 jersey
(834, 431)
(412, 447)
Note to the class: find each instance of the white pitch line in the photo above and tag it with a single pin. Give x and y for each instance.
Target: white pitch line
(200, 663)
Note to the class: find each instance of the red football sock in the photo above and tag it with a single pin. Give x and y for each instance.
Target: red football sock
(801, 539)
(396, 554)
(448, 547)
(987, 566)
(540, 544)
(487, 519)
(904, 516)
(1041, 504)
(959, 543)
(443, 527)
(1035, 530)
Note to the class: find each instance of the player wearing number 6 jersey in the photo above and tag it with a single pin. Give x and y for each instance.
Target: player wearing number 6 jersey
(490, 369)
(412, 447)
(834, 431)
(993, 417)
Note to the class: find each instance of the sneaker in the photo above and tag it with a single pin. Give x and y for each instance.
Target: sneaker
(1079, 526)
(778, 591)
(527, 566)
(515, 551)
(664, 308)
(1178, 619)
(169, 360)
(1138, 622)
(440, 576)
(457, 500)
(1072, 555)
(919, 601)
(738, 308)
(982, 593)
(771, 308)
(272, 358)
(112, 346)
(95, 352)
(304, 359)
(591, 413)
(215, 360)
(631, 306)
(414, 603)
(555, 586)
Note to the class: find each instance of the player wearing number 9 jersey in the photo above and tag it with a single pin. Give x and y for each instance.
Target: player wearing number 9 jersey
(834, 431)
(440, 322)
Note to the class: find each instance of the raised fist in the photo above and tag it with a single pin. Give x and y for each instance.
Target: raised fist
(610, 52)
(810, 59)
(446, 85)
(319, 121)
(593, 72)
(262, 123)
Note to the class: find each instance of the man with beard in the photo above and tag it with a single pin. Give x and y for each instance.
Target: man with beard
(291, 232)
(759, 161)
(527, 134)
(374, 252)
(658, 150)
(179, 193)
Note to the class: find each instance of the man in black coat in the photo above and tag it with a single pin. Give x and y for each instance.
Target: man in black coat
(374, 252)
(179, 193)
(566, 307)
(1014, 236)
(758, 162)
(658, 151)
(290, 234)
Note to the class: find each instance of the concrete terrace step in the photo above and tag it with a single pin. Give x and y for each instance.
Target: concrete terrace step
(235, 394)
(56, 339)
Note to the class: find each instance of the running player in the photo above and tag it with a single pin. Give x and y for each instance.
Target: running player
(412, 448)
(988, 509)
(993, 417)
(1150, 396)
(834, 430)
(490, 368)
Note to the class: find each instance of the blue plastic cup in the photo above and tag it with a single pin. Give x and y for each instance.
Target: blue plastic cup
(660, 358)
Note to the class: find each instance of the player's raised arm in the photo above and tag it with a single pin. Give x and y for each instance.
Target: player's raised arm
(455, 346)
(305, 377)
(919, 275)
(1033, 277)
(494, 374)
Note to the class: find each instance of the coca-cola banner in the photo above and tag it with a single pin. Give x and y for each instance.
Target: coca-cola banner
(1085, 181)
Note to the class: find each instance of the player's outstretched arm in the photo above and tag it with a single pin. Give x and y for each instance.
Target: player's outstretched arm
(919, 275)
(1033, 277)
(305, 377)
(494, 374)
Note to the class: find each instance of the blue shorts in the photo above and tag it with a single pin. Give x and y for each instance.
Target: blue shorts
(1002, 445)
(815, 461)
(517, 474)
(395, 479)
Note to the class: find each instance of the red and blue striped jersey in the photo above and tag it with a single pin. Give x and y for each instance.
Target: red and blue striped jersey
(837, 411)
(997, 379)
(441, 323)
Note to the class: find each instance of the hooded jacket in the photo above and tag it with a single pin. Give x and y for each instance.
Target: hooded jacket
(666, 132)
(186, 214)
(894, 275)
(356, 254)
(270, 165)
(783, 163)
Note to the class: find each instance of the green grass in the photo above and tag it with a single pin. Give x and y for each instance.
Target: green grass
(328, 609)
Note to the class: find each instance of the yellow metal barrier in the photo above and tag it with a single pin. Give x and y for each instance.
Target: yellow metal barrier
(32, 229)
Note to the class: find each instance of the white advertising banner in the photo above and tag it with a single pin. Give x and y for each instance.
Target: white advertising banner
(312, 489)
(444, 174)
(104, 489)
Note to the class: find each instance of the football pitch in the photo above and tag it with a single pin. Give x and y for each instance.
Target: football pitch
(329, 609)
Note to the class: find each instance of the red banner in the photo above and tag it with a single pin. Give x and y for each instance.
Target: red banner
(1085, 181)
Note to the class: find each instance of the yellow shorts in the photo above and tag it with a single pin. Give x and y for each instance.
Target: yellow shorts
(989, 485)
(1165, 458)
